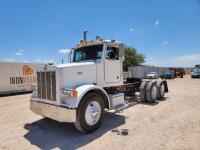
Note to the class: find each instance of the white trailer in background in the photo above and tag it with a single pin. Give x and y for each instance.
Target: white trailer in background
(140, 72)
(17, 77)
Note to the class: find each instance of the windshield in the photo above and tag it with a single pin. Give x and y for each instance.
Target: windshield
(88, 53)
(196, 70)
(168, 72)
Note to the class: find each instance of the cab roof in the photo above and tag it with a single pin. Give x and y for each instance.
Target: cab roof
(97, 42)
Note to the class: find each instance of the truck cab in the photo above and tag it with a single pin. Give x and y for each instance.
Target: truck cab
(81, 90)
(107, 58)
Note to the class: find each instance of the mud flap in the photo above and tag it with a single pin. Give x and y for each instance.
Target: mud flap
(166, 86)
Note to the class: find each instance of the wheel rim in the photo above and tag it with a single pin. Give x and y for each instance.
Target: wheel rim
(92, 113)
(154, 92)
(162, 90)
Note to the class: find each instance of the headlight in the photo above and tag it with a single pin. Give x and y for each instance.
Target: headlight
(70, 92)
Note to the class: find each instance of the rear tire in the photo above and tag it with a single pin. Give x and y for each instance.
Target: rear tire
(143, 91)
(151, 92)
(90, 113)
(160, 89)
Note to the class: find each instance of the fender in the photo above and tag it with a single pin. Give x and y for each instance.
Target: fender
(83, 89)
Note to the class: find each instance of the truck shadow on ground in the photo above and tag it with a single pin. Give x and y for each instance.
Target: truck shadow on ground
(48, 134)
(135, 100)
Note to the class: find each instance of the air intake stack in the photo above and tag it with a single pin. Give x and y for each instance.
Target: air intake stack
(85, 35)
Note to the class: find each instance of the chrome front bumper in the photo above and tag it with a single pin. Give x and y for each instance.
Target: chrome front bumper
(58, 113)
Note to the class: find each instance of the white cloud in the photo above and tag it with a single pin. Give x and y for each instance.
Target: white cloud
(20, 50)
(188, 58)
(24, 61)
(150, 60)
(136, 29)
(64, 51)
(49, 61)
(164, 42)
(156, 22)
(131, 30)
(39, 60)
(180, 61)
(9, 60)
(19, 53)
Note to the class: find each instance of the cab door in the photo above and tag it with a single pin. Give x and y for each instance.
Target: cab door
(112, 65)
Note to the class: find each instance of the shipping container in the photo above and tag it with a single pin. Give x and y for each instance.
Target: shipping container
(140, 72)
(17, 77)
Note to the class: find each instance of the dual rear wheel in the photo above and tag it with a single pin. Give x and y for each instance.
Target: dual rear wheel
(150, 91)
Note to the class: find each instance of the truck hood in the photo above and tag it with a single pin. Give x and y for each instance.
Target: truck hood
(72, 75)
(75, 64)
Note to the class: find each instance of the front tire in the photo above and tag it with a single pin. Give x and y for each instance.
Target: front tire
(90, 113)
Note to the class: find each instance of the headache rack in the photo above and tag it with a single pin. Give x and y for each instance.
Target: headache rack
(46, 85)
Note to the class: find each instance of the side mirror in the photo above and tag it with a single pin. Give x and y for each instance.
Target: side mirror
(121, 51)
(70, 55)
(123, 58)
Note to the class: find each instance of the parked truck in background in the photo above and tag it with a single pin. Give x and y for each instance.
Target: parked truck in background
(80, 91)
(196, 72)
(178, 72)
(167, 75)
(17, 77)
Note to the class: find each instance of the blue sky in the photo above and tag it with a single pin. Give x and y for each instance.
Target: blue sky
(167, 32)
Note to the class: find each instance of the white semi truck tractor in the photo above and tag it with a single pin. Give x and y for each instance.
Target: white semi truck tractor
(80, 91)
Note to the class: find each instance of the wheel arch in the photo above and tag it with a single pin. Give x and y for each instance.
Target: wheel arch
(85, 89)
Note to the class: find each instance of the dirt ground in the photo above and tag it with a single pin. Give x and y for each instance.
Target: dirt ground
(173, 123)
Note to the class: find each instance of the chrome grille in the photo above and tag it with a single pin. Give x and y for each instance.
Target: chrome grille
(46, 85)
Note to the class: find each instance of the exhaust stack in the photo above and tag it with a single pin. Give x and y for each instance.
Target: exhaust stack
(85, 35)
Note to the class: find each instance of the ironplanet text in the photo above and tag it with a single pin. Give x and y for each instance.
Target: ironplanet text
(23, 80)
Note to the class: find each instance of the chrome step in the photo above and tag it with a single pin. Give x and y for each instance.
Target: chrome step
(117, 100)
(120, 107)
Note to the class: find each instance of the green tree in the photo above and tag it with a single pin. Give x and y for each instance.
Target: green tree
(132, 58)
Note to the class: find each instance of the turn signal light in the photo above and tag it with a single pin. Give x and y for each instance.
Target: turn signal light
(75, 93)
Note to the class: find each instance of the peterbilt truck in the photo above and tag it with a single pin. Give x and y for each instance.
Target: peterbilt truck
(93, 81)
